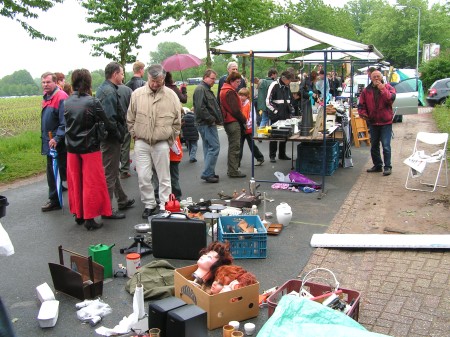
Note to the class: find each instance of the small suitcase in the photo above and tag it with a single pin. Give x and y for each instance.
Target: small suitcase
(178, 237)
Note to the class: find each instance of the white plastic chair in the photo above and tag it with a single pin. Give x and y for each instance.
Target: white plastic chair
(426, 142)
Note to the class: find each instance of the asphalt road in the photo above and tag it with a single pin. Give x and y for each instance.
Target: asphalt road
(37, 235)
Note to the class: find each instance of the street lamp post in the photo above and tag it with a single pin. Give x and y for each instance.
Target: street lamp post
(418, 35)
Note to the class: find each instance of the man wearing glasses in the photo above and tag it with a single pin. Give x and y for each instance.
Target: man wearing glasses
(207, 117)
(154, 122)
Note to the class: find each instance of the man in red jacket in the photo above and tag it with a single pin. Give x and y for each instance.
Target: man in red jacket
(375, 106)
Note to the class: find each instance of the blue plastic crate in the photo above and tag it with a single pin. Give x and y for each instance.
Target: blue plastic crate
(310, 156)
(244, 245)
(314, 150)
(315, 167)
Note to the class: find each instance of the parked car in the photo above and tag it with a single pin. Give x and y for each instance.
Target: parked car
(439, 92)
(407, 98)
(359, 83)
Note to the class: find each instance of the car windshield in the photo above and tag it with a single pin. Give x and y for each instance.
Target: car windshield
(408, 85)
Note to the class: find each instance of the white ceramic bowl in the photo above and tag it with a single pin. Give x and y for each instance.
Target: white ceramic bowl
(142, 228)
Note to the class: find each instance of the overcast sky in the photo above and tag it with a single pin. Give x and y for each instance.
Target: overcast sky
(65, 21)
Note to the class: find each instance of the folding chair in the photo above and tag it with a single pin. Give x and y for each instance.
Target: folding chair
(427, 142)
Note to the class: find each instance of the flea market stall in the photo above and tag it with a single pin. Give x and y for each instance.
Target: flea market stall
(293, 39)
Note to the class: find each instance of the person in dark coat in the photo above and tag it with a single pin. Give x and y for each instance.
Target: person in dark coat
(88, 194)
(181, 93)
(138, 72)
(52, 135)
(190, 134)
(279, 103)
(375, 106)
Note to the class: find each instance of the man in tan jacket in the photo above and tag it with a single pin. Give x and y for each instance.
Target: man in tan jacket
(154, 122)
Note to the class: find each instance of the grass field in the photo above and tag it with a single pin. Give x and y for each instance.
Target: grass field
(20, 140)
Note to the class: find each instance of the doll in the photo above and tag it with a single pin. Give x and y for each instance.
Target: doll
(212, 257)
(230, 278)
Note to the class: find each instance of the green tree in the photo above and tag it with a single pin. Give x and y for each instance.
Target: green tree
(98, 76)
(166, 49)
(314, 14)
(435, 69)
(361, 11)
(394, 31)
(227, 19)
(19, 83)
(20, 11)
(121, 24)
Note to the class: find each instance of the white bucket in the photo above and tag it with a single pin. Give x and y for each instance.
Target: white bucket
(133, 263)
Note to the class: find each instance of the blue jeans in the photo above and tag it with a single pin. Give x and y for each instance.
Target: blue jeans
(211, 148)
(192, 147)
(383, 134)
(264, 119)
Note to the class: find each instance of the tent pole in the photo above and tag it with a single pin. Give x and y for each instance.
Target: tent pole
(252, 107)
(324, 129)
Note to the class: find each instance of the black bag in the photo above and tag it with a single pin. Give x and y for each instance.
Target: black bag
(101, 131)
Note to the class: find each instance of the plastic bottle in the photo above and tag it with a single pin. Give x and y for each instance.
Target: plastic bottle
(252, 186)
(308, 189)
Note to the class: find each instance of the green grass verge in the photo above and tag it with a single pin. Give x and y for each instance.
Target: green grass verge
(20, 156)
(441, 114)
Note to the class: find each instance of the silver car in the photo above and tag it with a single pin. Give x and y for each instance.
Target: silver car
(407, 98)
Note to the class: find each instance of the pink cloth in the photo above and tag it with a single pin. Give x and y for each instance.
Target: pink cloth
(86, 182)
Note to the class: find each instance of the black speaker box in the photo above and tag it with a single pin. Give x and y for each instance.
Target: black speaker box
(158, 310)
(187, 321)
(178, 237)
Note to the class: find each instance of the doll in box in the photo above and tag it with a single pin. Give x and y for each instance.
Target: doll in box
(231, 278)
(212, 257)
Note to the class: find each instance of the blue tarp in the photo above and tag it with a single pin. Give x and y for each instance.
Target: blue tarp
(296, 316)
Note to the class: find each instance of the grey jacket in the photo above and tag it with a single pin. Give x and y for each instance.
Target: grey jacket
(206, 108)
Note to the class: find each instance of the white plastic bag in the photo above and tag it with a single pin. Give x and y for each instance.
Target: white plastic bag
(282, 177)
(6, 246)
(94, 308)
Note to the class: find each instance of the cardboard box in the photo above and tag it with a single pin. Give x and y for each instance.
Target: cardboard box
(236, 305)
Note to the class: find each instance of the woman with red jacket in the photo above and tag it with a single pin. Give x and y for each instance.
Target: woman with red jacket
(234, 122)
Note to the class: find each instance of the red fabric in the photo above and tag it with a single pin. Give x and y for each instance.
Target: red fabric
(86, 182)
(377, 110)
(230, 105)
(173, 155)
(246, 112)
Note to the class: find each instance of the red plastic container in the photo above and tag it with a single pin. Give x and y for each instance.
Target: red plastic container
(314, 289)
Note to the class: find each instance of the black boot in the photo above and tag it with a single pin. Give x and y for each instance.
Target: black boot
(79, 221)
(91, 224)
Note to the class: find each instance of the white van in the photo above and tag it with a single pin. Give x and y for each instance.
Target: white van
(359, 83)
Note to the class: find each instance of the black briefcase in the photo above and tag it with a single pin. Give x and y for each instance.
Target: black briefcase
(176, 236)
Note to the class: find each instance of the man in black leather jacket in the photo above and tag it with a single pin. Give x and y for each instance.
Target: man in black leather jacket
(109, 98)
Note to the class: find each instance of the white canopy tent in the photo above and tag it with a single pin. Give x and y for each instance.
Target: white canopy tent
(287, 39)
(334, 54)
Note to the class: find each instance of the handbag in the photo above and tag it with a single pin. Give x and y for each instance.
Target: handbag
(100, 129)
(172, 205)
